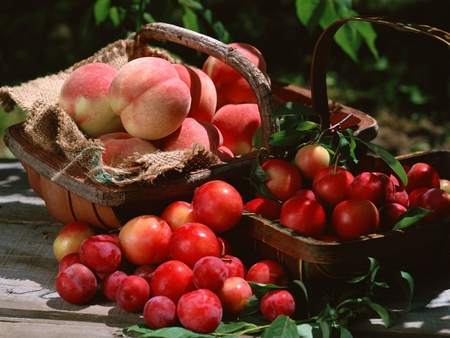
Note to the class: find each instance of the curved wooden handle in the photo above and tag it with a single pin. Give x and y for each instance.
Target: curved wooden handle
(322, 51)
(229, 55)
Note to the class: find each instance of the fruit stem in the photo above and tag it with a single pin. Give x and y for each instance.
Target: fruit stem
(338, 125)
(336, 163)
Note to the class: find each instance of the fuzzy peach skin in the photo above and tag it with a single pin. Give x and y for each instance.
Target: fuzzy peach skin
(238, 123)
(150, 98)
(192, 130)
(203, 92)
(84, 96)
(121, 145)
(231, 86)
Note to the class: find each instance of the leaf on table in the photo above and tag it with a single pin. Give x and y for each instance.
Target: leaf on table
(282, 326)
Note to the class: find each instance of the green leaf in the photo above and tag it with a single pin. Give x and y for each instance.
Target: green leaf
(191, 4)
(307, 126)
(371, 273)
(309, 12)
(390, 160)
(222, 34)
(305, 330)
(290, 122)
(345, 333)
(190, 19)
(410, 217)
(325, 328)
(101, 11)
(346, 37)
(287, 138)
(309, 330)
(344, 149)
(252, 307)
(259, 290)
(257, 138)
(314, 13)
(293, 109)
(148, 17)
(382, 311)
(257, 177)
(167, 332)
(365, 29)
(303, 287)
(406, 282)
(326, 314)
(236, 327)
(116, 14)
(282, 326)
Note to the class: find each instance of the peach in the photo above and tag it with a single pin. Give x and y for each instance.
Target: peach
(203, 92)
(192, 130)
(84, 96)
(178, 213)
(231, 86)
(150, 98)
(223, 153)
(389, 215)
(121, 145)
(238, 123)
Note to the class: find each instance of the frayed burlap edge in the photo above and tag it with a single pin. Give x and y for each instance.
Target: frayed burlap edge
(53, 129)
(149, 167)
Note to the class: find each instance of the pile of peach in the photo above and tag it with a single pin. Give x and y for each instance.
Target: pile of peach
(151, 104)
(175, 269)
(328, 202)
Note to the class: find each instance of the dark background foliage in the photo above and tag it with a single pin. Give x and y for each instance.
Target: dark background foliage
(410, 82)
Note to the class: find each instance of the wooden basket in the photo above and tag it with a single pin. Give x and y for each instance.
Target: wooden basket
(73, 196)
(413, 249)
(418, 248)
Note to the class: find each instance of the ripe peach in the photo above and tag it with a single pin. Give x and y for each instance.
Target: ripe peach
(238, 123)
(444, 184)
(277, 302)
(422, 175)
(178, 213)
(265, 207)
(84, 96)
(438, 201)
(310, 159)
(70, 237)
(389, 214)
(267, 271)
(231, 86)
(283, 180)
(203, 92)
(192, 130)
(121, 145)
(367, 185)
(234, 295)
(150, 98)
(224, 153)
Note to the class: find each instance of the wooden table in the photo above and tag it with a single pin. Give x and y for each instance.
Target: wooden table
(30, 306)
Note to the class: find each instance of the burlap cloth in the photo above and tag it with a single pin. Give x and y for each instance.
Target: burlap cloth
(54, 130)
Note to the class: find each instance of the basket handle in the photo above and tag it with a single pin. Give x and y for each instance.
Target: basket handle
(229, 55)
(322, 51)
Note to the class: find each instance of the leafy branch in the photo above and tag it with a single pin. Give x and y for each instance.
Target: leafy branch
(321, 13)
(300, 125)
(191, 14)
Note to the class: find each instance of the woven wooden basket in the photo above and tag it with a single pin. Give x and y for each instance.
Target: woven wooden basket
(415, 249)
(74, 196)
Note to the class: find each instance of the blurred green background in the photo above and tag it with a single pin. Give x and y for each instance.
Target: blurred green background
(406, 89)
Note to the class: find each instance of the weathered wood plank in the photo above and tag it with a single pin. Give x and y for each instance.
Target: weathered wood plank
(38, 328)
